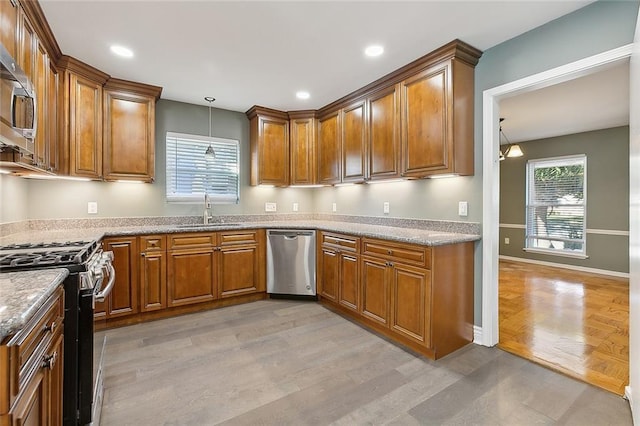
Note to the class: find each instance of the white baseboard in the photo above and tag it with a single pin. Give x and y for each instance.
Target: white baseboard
(564, 266)
(477, 335)
(628, 396)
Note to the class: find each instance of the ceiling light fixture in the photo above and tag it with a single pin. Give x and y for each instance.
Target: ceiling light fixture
(209, 154)
(374, 50)
(302, 95)
(122, 51)
(512, 150)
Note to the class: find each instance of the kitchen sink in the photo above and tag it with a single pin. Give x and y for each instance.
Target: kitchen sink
(209, 225)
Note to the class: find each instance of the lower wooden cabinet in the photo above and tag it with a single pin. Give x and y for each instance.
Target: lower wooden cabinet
(153, 273)
(330, 273)
(349, 283)
(191, 276)
(123, 299)
(241, 261)
(375, 290)
(31, 369)
(410, 302)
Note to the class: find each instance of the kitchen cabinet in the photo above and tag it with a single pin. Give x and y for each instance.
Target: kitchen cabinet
(383, 124)
(191, 272)
(129, 134)
(339, 270)
(354, 142)
(52, 119)
(241, 262)
(9, 25)
(302, 132)
(153, 272)
(410, 299)
(31, 368)
(26, 37)
(123, 299)
(269, 140)
(375, 290)
(40, 80)
(437, 120)
(329, 148)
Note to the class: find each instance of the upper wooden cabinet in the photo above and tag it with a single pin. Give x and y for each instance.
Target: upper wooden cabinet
(329, 148)
(354, 142)
(128, 133)
(437, 121)
(8, 25)
(269, 146)
(383, 123)
(302, 145)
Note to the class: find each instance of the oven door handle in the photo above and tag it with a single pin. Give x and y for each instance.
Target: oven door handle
(112, 279)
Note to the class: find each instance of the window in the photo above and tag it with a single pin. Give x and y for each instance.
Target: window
(190, 174)
(556, 205)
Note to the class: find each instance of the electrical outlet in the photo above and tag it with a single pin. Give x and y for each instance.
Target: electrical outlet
(92, 207)
(334, 207)
(385, 207)
(270, 207)
(295, 207)
(506, 240)
(463, 208)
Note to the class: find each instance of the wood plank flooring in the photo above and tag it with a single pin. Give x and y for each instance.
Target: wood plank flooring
(574, 322)
(280, 362)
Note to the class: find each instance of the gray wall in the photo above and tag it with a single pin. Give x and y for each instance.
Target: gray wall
(607, 154)
(68, 199)
(13, 199)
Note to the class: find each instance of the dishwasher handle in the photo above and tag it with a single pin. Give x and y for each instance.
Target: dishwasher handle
(291, 235)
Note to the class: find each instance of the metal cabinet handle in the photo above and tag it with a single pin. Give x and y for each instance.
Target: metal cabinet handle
(143, 254)
(50, 328)
(50, 361)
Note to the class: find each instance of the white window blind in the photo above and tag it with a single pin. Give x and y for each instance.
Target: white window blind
(556, 204)
(190, 175)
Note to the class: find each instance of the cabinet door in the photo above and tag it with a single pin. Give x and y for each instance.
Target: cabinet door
(303, 151)
(375, 290)
(354, 143)
(85, 127)
(273, 151)
(41, 74)
(384, 133)
(425, 133)
(129, 141)
(330, 274)
(53, 159)
(54, 377)
(190, 277)
(31, 406)
(410, 303)
(123, 299)
(8, 29)
(329, 149)
(239, 270)
(26, 45)
(349, 281)
(153, 281)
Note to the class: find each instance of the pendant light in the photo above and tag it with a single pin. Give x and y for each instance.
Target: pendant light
(512, 150)
(209, 154)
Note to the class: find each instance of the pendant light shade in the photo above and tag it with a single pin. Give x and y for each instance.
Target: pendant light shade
(511, 150)
(209, 154)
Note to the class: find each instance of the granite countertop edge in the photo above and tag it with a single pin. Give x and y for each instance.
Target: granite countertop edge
(23, 293)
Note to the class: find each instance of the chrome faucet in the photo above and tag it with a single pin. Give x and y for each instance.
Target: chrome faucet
(207, 207)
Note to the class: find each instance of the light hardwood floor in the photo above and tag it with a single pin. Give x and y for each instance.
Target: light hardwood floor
(574, 322)
(279, 362)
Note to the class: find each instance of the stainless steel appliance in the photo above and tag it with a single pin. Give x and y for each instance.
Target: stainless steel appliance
(291, 262)
(91, 278)
(17, 105)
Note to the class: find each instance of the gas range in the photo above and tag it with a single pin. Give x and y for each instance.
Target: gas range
(72, 255)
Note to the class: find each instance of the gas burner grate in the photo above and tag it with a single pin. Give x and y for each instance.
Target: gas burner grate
(66, 244)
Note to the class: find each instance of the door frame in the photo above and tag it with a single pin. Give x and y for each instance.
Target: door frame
(491, 168)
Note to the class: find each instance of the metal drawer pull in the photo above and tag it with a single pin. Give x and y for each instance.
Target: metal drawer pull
(50, 328)
(50, 361)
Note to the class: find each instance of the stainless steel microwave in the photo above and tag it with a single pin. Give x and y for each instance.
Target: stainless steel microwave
(17, 105)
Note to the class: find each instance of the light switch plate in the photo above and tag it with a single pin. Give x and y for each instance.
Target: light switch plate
(385, 207)
(295, 207)
(92, 207)
(270, 207)
(334, 207)
(506, 240)
(463, 208)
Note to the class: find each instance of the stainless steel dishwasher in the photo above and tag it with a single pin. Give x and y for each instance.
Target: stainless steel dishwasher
(291, 262)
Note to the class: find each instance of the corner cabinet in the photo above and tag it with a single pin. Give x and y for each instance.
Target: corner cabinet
(269, 131)
(302, 146)
(329, 148)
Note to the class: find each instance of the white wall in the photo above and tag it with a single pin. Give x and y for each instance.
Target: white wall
(13, 199)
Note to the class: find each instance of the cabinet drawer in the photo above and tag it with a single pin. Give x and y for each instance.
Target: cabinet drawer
(188, 241)
(343, 242)
(153, 243)
(238, 237)
(406, 253)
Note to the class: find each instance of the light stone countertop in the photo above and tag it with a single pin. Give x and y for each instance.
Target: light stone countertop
(395, 233)
(23, 293)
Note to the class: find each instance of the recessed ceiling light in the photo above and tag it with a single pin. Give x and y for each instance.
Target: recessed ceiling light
(302, 95)
(374, 50)
(122, 51)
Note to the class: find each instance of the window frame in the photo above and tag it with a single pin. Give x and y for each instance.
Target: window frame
(196, 198)
(528, 239)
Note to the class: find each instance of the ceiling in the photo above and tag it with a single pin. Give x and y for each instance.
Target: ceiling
(595, 101)
(262, 52)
